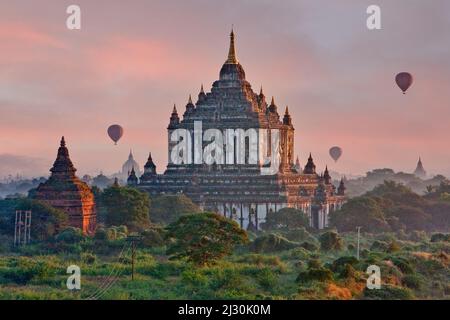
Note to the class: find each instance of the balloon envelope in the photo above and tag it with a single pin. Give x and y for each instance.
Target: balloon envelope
(115, 132)
(335, 153)
(404, 80)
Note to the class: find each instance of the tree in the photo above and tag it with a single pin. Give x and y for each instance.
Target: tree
(330, 241)
(364, 212)
(126, 206)
(46, 220)
(203, 238)
(412, 218)
(169, 208)
(286, 218)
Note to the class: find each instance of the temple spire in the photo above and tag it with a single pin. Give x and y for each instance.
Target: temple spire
(232, 51)
(63, 142)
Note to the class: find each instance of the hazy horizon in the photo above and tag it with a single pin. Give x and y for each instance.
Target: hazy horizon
(131, 62)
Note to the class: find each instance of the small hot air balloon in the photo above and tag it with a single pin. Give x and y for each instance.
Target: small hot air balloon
(404, 80)
(115, 132)
(335, 153)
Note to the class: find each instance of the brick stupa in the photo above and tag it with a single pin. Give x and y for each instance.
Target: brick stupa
(65, 191)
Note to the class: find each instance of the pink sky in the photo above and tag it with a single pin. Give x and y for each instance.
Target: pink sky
(132, 60)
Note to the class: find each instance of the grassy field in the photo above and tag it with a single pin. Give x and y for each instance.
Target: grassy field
(411, 268)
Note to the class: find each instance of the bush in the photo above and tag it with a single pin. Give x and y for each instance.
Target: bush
(438, 237)
(313, 274)
(388, 292)
(330, 241)
(309, 246)
(261, 260)
(271, 243)
(379, 246)
(152, 238)
(393, 247)
(204, 238)
(88, 257)
(314, 264)
(299, 234)
(412, 281)
(266, 278)
(403, 264)
(70, 235)
(339, 264)
(23, 270)
(113, 233)
(299, 253)
(348, 272)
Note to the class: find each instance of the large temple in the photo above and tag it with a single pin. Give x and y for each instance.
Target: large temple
(239, 189)
(65, 191)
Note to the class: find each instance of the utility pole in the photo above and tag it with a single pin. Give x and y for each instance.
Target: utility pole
(133, 240)
(357, 247)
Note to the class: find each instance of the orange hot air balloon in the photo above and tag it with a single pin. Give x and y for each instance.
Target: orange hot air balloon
(115, 132)
(335, 153)
(404, 80)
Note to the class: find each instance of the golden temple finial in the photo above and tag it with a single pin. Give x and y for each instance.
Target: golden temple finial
(232, 51)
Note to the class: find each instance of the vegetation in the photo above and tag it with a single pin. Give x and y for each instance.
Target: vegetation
(126, 206)
(393, 207)
(203, 238)
(167, 209)
(47, 220)
(207, 256)
(286, 218)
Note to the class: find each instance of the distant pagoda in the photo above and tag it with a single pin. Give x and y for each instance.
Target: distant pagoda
(420, 171)
(65, 191)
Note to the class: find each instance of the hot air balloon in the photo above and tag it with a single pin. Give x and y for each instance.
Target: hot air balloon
(115, 132)
(335, 153)
(404, 80)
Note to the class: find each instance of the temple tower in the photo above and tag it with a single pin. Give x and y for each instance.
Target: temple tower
(65, 191)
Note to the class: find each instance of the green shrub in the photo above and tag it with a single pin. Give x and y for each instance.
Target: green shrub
(314, 264)
(438, 237)
(330, 241)
(309, 246)
(379, 246)
(412, 281)
(299, 253)
(339, 264)
(266, 278)
(101, 234)
(271, 243)
(299, 234)
(403, 264)
(152, 238)
(393, 247)
(70, 235)
(88, 257)
(321, 274)
(259, 259)
(388, 292)
(347, 272)
(22, 270)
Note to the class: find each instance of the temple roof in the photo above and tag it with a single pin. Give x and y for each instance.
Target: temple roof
(63, 166)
